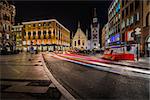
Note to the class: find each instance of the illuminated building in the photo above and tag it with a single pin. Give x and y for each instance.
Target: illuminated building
(80, 40)
(131, 21)
(105, 36)
(7, 14)
(45, 35)
(17, 31)
(95, 27)
(129, 25)
(114, 17)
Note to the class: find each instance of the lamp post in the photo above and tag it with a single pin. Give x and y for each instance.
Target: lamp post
(136, 35)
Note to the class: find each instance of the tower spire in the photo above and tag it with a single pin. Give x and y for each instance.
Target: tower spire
(95, 12)
(87, 33)
(78, 24)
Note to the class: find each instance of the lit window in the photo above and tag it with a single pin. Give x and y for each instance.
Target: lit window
(138, 16)
(83, 42)
(44, 33)
(34, 35)
(127, 22)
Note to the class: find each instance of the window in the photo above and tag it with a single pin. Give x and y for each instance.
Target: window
(29, 35)
(54, 32)
(49, 32)
(59, 34)
(34, 35)
(127, 11)
(123, 14)
(118, 27)
(138, 16)
(83, 42)
(78, 42)
(131, 20)
(75, 43)
(24, 34)
(33, 25)
(148, 2)
(127, 22)
(137, 3)
(39, 34)
(126, 1)
(44, 24)
(148, 20)
(131, 7)
(44, 33)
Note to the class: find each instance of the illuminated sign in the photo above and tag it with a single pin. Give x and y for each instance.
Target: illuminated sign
(128, 36)
(115, 38)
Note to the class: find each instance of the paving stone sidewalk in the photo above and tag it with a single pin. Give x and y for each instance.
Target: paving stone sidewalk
(23, 78)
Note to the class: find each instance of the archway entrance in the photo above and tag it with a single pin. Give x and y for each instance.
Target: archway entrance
(148, 47)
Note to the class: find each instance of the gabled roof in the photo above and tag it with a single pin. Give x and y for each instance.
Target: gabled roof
(79, 32)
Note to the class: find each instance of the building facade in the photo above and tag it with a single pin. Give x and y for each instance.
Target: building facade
(17, 31)
(80, 40)
(129, 26)
(7, 14)
(105, 36)
(45, 35)
(145, 41)
(131, 17)
(95, 32)
(114, 19)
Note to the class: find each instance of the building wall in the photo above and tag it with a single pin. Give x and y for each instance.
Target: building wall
(80, 40)
(45, 35)
(146, 28)
(132, 17)
(134, 14)
(103, 36)
(7, 14)
(114, 18)
(18, 31)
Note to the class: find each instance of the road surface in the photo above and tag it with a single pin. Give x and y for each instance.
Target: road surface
(88, 83)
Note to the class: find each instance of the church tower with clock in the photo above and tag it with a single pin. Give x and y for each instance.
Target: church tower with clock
(95, 27)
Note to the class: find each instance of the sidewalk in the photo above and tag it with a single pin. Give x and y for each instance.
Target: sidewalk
(25, 79)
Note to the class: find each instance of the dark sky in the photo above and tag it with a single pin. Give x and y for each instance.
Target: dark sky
(66, 12)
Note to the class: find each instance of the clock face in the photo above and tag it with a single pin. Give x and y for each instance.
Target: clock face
(94, 36)
(94, 20)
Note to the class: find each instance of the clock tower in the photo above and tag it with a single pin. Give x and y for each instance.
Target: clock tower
(95, 27)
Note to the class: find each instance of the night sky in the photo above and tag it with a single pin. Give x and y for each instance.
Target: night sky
(67, 13)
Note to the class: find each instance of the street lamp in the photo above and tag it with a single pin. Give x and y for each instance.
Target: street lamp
(136, 35)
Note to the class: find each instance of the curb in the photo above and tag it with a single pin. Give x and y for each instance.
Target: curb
(65, 93)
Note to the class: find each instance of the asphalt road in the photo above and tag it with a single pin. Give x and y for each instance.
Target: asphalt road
(88, 83)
